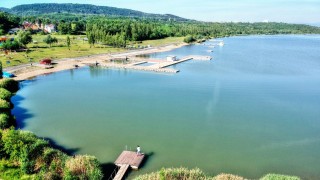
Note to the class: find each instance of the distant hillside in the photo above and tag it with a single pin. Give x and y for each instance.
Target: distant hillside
(49, 8)
(4, 9)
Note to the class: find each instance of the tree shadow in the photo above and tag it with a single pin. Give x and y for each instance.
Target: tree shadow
(55, 145)
(21, 114)
(108, 170)
(145, 159)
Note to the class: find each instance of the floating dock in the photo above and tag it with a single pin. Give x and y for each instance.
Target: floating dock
(125, 160)
(160, 66)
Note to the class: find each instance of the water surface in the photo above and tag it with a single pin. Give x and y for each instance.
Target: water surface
(252, 110)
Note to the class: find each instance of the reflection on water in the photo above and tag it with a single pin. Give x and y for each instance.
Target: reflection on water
(252, 110)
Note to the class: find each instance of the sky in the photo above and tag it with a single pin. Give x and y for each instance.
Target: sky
(290, 11)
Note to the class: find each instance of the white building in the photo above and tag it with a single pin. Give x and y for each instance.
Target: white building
(171, 58)
(50, 28)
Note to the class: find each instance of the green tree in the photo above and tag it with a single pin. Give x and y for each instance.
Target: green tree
(68, 42)
(189, 39)
(0, 70)
(64, 28)
(8, 21)
(91, 40)
(49, 40)
(11, 45)
(24, 37)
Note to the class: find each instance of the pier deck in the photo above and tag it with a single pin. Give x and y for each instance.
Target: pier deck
(129, 158)
(125, 160)
(122, 171)
(160, 66)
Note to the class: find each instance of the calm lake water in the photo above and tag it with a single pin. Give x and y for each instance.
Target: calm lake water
(252, 110)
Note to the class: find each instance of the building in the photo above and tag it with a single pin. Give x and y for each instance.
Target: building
(27, 25)
(14, 31)
(171, 58)
(49, 28)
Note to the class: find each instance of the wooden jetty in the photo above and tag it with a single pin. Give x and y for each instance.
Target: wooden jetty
(160, 66)
(125, 160)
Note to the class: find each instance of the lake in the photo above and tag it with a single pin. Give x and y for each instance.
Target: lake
(253, 109)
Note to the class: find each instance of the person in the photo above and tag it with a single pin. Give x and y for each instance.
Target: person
(138, 150)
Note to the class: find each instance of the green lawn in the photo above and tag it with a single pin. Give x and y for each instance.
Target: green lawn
(39, 50)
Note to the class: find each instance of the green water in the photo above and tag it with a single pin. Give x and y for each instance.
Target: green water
(252, 110)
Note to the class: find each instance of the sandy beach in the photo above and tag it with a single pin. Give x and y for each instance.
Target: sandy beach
(27, 71)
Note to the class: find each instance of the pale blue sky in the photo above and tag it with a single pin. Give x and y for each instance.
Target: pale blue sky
(292, 11)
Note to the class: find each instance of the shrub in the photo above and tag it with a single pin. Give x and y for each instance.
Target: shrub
(189, 39)
(83, 167)
(228, 177)
(19, 143)
(4, 105)
(9, 84)
(4, 120)
(9, 170)
(5, 94)
(175, 173)
(1, 70)
(279, 177)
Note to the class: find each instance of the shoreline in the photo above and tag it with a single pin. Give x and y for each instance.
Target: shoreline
(29, 71)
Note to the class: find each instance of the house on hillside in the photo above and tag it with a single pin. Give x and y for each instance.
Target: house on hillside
(27, 25)
(49, 28)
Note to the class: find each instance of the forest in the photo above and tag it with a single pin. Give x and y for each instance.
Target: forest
(118, 31)
(85, 9)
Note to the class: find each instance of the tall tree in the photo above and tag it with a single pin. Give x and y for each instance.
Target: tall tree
(0, 70)
(24, 37)
(68, 42)
(49, 40)
(91, 40)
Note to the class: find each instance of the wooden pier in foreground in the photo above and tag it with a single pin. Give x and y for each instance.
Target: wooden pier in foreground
(125, 160)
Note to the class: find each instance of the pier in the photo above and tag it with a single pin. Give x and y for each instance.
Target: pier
(125, 160)
(159, 65)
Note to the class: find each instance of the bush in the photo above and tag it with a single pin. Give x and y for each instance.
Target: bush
(228, 177)
(9, 84)
(9, 170)
(175, 173)
(18, 143)
(1, 70)
(5, 94)
(4, 105)
(83, 167)
(11, 45)
(189, 39)
(279, 177)
(4, 120)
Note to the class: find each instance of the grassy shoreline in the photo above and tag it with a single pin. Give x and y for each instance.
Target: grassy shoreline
(79, 48)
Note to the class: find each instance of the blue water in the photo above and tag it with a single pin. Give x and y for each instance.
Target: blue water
(252, 110)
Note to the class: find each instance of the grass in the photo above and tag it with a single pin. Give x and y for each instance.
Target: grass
(160, 42)
(78, 48)
(191, 174)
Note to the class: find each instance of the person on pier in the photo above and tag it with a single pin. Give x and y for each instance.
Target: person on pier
(138, 150)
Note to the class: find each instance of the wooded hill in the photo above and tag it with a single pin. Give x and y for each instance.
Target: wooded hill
(49, 8)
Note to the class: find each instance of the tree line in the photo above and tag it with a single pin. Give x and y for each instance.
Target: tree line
(116, 32)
